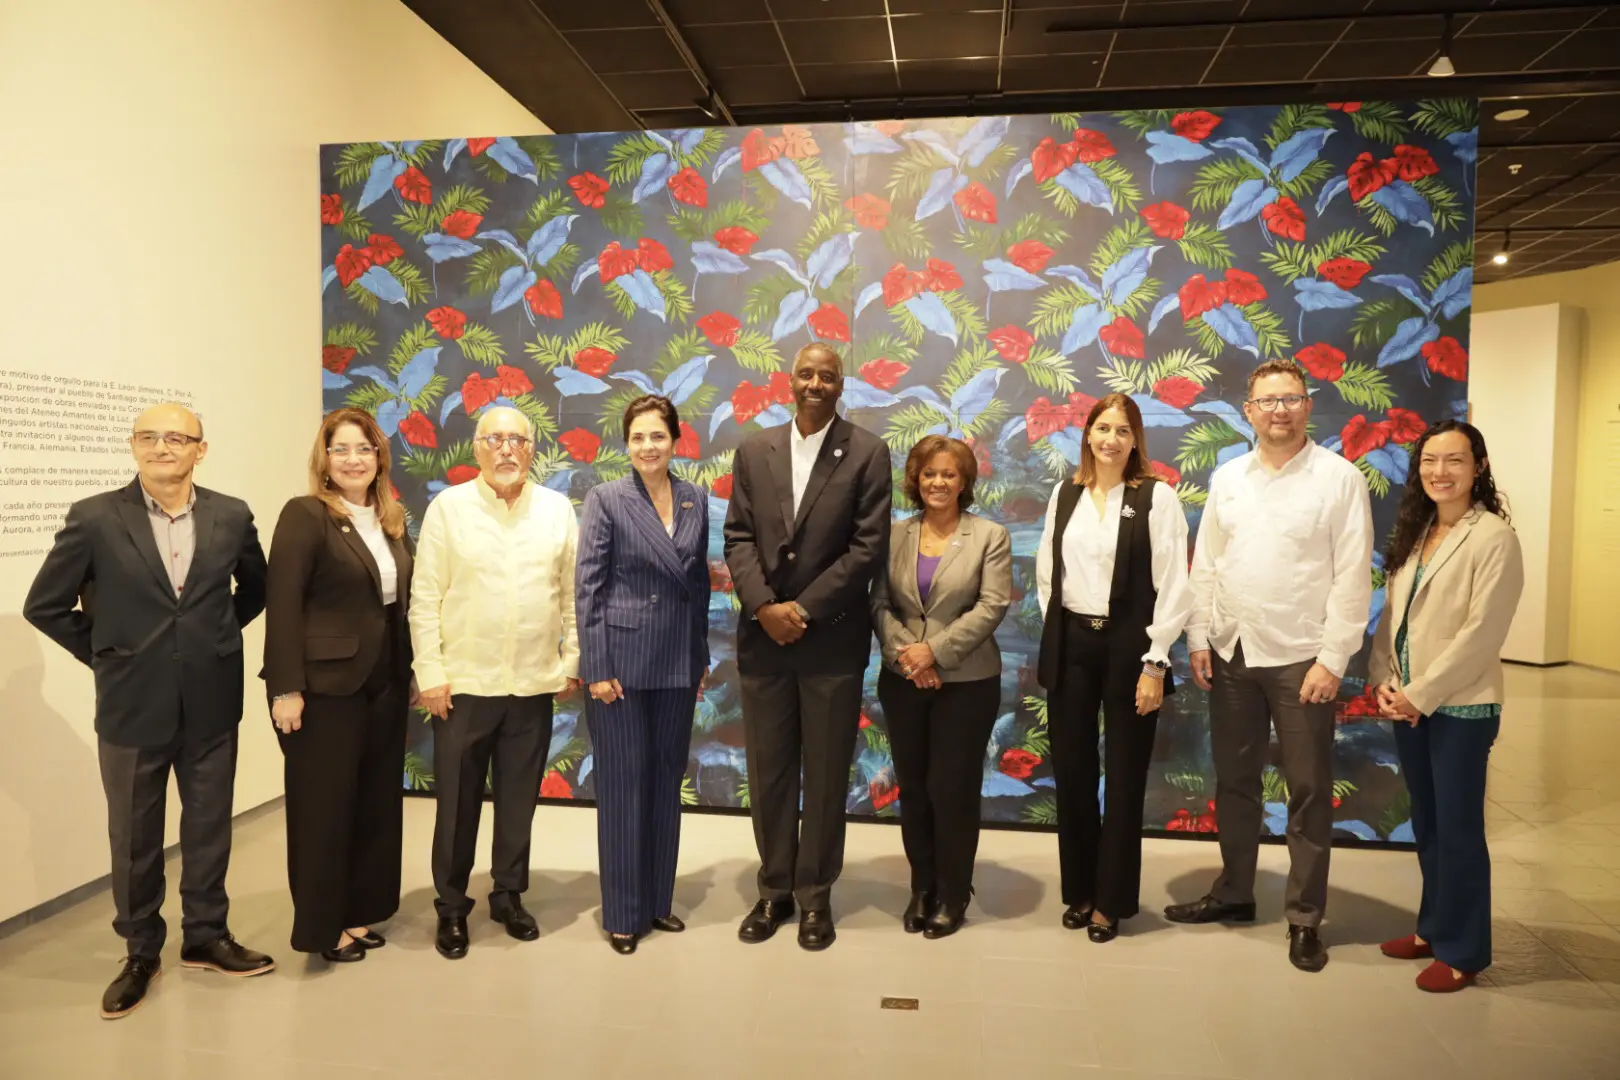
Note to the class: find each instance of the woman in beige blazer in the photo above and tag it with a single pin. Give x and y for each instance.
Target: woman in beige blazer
(1454, 578)
(948, 585)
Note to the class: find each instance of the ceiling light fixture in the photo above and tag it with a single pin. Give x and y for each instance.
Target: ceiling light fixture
(1501, 257)
(705, 105)
(1507, 115)
(1442, 66)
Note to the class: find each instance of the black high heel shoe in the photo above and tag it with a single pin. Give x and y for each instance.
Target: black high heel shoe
(1076, 918)
(623, 944)
(917, 912)
(1102, 933)
(945, 920)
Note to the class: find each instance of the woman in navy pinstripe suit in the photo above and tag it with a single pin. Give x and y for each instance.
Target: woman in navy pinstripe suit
(642, 597)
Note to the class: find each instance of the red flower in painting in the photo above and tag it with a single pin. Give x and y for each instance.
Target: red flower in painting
(544, 299)
(748, 401)
(555, 787)
(720, 328)
(447, 322)
(1018, 763)
(1323, 361)
(1344, 272)
(687, 445)
(581, 445)
(1414, 163)
(688, 186)
(1367, 174)
(615, 262)
(900, 285)
(829, 323)
(1447, 357)
(883, 793)
(1013, 343)
(478, 146)
(652, 256)
(477, 391)
(1176, 391)
(1345, 106)
(594, 361)
(332, 209)
(1166, 219)
(779, 390)
(335, 358)
(462, 223)
(884, 373)
(591, 190)
(1284, 218)
(721, 486)
(736, 239)
(981, 459)
(1198, 296)
(757, 150)
(796, 142)
(512, 381)
(460, 474)
(1051, 157)
(414, 186)
(1195, 125)
(351, 262)
(1405, 426)
(1361, 705)
(976, 203)
(417, 430)
(871, 211)
(1168, 473)
(940, 276)
(1243, 288)
(1080, 406)
(719, 572)
(1360, 436)
(1093, 145)
(1031, 255)
(1123, 338)
(384, 249)
(1042, 418)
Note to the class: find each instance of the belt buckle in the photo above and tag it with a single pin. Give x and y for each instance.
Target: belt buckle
(1097, 624)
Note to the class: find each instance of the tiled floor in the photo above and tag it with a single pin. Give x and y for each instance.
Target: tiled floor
(1012, 995)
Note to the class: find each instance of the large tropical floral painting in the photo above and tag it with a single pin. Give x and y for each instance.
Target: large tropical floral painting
(984, 277)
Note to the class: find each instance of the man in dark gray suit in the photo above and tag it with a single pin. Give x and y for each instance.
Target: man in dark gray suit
(807, 530)
(138, 588)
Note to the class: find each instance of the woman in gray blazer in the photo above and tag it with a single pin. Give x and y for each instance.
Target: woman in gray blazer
(1455, 573)
(948, 585)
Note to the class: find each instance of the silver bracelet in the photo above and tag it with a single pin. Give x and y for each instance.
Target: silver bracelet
(1153, 671)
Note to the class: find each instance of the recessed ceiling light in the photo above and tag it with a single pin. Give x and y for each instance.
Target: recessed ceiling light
(1512, 114)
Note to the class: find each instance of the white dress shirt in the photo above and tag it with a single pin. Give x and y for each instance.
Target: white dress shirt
(805, 449)
(370, 529)
(1283, 561)
(492, 596)
(1089, 545)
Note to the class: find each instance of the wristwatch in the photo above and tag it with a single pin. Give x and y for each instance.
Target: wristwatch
(1156, 668)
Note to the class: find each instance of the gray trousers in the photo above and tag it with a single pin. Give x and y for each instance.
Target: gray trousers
(505, 739)
(136, 780)
(1243, 707)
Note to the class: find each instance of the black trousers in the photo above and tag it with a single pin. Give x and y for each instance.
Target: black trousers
(938, 738)
(505, 739)
(343, 770)
(792, 721)
(136, 780)
(1100, 857)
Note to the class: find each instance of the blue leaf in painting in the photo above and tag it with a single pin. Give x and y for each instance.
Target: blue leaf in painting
(410, 146)
(1067, 443)
(389, 414)
(784, 176)
(828, 261)
(1244, 149)
(572, 382)
(506, 153)
(589, 269)
(504, 238)
(1011, 428)
(1084, 326)
(775, 416)
(867, 139)
(1464, 144)
(937, 141)
(928, 396)
(795, 308)
(655, 174)
(1161, 309)
(1229, 453)
(1021, 170)
(1359, 829)
(1407, 341)
(331, 380)
(998, 784)
(662, 140)
(868, 294)
(549, 238)
(515, 280)
(1455, 294)
(975, 395)
(1313, 295)
(1233, 327)
(440, 247)
(683, 382)
(938, 195)
(384, 171)
(725, 161)
(1405, 203)
(931, 311)
(1402, 834)
(1122, 278)
(1389, 460)
(721, 414)
(1165, 147)
(710, 258)
(376, 375)
(1248, 199)
(642, 290)
(642, 381)
(1228, 412)
(1156, 413)
(418, 370)
(860, 394)
(1002, 276)
(1295, 154)
(1079, 276)
(383, 285)
(983, 137)
(1084, 184)
(452, 150)
(448, 406)
(328, 275)
(1406, 287)
(1330, 191)
(1375, 611)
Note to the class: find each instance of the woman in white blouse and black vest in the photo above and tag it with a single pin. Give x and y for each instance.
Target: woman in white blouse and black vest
(1112, 576)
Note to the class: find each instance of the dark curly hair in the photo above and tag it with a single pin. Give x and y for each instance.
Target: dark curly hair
(1417, 509)
(924, 452)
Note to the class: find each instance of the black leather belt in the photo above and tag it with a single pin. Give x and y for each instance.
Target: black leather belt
(1097, 624)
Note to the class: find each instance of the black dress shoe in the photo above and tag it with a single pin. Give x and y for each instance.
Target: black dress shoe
(1102, 933)
(1076, 917)
(451, 940)
(127, 991)
(945, 920)
(518, 922)
(1207, 909)
(816, 930)
(345, 954)
(1305, 948)
(758, 925)
(623, 944)
(369, 940)
(225, 956)
(669, 924)
(917, 912)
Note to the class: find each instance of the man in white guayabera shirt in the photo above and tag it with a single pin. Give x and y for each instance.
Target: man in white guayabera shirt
(1281, 582)
(492, 625)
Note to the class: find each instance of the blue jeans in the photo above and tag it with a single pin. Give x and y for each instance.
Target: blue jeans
(1444, 759)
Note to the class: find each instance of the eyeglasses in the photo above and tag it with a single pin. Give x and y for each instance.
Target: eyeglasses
(1290, 402)
(495, 442)
(174, 440)
(364, 450)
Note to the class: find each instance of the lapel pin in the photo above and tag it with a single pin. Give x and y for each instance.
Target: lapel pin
(838, 453)
(345, 528)
(1128, 511)
(686, 506)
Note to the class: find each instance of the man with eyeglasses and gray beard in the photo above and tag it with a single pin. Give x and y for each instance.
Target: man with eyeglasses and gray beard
(492, 628)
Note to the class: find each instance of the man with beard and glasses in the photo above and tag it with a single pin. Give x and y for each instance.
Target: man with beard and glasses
(806, 532)
(1282, 584)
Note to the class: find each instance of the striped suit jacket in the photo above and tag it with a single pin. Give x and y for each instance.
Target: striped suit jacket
(641, 598)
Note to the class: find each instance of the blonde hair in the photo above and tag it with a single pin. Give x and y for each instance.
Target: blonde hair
(390, 514)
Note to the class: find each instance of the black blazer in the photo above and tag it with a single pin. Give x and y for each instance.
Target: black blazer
(325, 623)
(825, 557)
(104, 595)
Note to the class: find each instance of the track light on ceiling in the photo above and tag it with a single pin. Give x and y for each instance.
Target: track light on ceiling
(1442, 65)
(1501, 257)
(705, 105)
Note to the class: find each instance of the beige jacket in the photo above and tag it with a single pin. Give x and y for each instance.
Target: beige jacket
(1459, 618)
(971, 589)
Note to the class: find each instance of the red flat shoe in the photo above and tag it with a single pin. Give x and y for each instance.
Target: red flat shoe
(1441, 978)
(1407, 948)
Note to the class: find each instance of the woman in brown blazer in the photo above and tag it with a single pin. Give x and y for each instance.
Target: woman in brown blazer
(1454, 578)
(337, 665)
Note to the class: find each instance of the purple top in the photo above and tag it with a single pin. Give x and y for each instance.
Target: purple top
(926, 565)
